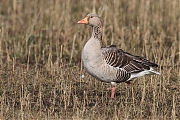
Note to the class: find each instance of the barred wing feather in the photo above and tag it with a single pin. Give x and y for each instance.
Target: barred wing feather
(124, 60)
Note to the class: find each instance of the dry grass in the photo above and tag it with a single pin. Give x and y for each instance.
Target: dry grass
(40, 60)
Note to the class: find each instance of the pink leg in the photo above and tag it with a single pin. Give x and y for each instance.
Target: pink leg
(113, 91)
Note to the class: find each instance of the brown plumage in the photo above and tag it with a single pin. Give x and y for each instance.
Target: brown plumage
(111, 64)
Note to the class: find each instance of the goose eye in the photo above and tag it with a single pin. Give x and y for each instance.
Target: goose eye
(91, 16)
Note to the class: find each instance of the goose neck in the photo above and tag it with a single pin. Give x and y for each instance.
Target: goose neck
(97, 32)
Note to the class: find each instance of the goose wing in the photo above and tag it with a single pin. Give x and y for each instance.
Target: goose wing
(126, 61)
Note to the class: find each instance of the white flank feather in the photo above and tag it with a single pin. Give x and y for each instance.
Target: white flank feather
(145, 72)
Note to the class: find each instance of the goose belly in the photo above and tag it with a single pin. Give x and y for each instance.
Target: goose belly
(100, 71)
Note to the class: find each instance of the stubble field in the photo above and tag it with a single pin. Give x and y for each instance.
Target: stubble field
(40, 59)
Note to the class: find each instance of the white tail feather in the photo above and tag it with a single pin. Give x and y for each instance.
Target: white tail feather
(145, 72)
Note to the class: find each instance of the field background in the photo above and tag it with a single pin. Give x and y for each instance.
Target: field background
(40, 59)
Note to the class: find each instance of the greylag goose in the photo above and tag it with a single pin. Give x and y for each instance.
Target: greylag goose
(111, 64)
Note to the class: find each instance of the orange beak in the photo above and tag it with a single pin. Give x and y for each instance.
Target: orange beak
(83, 21)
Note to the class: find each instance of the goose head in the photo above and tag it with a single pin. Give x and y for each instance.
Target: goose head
(91, 19)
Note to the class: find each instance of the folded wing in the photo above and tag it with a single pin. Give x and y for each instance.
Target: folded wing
(126, 61)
